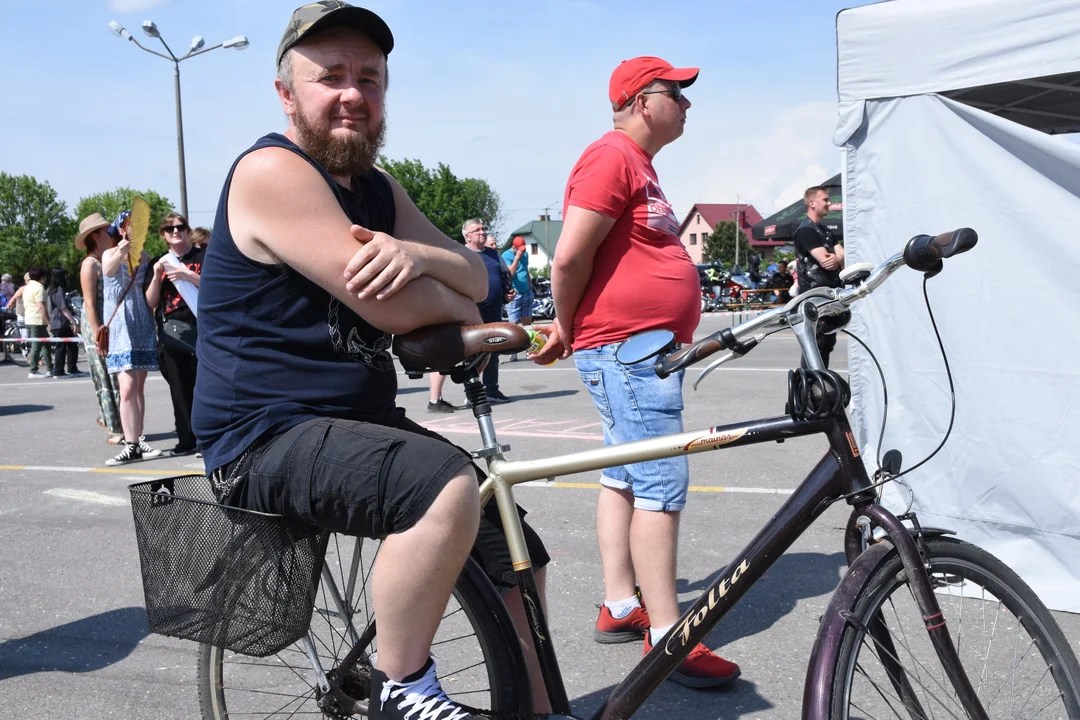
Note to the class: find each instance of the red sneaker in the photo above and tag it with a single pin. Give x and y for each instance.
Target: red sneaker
(633, 626)
(703, 669)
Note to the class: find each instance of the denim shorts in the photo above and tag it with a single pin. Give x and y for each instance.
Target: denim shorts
(520, 307)
(635, 404)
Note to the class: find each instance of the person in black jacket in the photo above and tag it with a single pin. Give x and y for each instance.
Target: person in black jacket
(820, 259)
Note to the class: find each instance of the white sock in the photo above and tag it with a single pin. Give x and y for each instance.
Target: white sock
(622, 608)
(655, 633)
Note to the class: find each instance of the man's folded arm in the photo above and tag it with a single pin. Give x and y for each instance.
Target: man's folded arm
(449, 262)
(281, 210)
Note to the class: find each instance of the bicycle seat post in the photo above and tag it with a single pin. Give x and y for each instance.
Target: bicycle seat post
(477, 395)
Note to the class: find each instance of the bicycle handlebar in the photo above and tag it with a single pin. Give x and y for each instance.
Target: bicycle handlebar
(922, 252)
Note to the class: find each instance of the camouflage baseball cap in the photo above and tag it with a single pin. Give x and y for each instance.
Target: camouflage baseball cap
(315, 16)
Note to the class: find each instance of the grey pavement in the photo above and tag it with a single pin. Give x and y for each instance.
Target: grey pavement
(73, 638)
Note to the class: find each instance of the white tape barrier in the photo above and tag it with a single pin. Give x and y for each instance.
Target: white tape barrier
(43, 340)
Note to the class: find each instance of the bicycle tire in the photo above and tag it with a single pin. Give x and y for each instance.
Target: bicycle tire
(12, 349)
(966, 578)
(281, 685)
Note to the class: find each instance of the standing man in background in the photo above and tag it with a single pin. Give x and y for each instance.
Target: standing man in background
(519, 309)
(818, 257)
(620, 269)
(491, 306)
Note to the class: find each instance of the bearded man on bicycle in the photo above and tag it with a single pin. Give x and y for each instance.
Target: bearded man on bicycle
(307, 277)
(620, 269)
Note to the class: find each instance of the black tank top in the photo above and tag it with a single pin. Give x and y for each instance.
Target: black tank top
(276, 349)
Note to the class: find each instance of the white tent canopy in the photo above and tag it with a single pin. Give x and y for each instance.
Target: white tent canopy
(946, 111)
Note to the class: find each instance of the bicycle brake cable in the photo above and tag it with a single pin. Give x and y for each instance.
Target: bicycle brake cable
(885, 393)
(952, 387)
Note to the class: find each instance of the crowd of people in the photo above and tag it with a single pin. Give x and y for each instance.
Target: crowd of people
(148, 307)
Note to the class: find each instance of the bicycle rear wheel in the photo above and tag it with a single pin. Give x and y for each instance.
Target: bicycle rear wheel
(474, 663)
(1013, 651)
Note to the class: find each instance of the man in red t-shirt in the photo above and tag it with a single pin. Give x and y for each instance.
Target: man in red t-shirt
(619, 269)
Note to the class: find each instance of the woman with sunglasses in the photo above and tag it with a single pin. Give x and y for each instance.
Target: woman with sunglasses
(172, 295)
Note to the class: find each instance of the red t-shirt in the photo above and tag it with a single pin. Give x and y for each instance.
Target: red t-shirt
(642, 277)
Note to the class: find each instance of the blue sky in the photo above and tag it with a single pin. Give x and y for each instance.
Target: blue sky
(508, 91)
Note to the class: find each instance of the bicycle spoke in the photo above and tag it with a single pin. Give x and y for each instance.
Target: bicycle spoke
(463, 637)
(1053, 700)
(1012, 672)
(919, 680)
(864, 712)
(907, 642)
(1030, 694)
(458, 672)
(884, 696)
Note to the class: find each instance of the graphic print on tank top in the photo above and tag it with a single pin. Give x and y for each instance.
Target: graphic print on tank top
(373, 350)
(661, 216)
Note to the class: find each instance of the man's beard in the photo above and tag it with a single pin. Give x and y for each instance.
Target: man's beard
(354, 154)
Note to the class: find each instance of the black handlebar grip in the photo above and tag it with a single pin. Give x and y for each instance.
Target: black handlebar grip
(956, 242)
(925, 253)
(687, 356)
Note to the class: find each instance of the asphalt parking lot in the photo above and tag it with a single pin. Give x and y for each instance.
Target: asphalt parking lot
(73, 638)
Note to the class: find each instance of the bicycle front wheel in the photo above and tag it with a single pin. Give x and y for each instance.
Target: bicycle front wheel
(473, 661)
(1014, 653)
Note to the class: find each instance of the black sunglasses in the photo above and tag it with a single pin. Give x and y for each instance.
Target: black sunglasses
(173, 228)
(675, 92)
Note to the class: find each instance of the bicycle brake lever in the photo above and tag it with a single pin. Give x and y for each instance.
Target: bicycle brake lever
(728, 358)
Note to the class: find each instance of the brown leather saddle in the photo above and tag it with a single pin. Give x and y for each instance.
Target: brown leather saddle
(441, 348)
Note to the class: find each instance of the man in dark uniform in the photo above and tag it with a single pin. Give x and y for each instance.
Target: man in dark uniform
(316, 259)
(819, 258)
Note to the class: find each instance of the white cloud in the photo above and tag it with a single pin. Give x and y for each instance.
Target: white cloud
(124, 6)
(766, 158)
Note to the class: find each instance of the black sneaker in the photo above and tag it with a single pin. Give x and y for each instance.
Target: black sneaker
(131, 453)
(440, 406)
(180, 450)
(419, 696)
(496, 397)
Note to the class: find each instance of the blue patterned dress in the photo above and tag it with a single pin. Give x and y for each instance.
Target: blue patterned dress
(132, 336)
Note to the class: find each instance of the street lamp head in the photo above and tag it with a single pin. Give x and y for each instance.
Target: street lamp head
(239, 42)
(196, 43)
(150, 29)
(118, 30)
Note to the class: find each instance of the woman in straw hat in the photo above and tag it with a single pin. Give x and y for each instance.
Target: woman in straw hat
(94, 239)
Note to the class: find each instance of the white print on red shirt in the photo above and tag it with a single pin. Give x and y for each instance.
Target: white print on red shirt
(661, 216)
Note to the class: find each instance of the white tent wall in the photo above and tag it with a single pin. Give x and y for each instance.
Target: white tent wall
(1009, 315)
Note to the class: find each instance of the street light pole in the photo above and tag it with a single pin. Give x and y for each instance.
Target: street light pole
(736, 229)
(239, 42)
(180, 142)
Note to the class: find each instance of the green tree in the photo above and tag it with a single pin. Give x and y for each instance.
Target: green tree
(111, 203)
(35, 229)
(720, 245)
(447, 200)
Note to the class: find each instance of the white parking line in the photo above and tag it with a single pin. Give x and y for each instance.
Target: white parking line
(86, 496)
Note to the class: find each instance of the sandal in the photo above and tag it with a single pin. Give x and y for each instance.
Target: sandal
(115, 439)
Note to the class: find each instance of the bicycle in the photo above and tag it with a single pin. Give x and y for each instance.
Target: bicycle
(883, 647)
(12, 343)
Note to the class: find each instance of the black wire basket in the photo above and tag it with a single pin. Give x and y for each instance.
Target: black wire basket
(219, 575)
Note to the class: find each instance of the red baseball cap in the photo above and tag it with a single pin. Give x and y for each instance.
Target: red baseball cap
(633, 75)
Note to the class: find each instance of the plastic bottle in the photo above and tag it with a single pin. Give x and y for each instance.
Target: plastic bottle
(537, 342)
